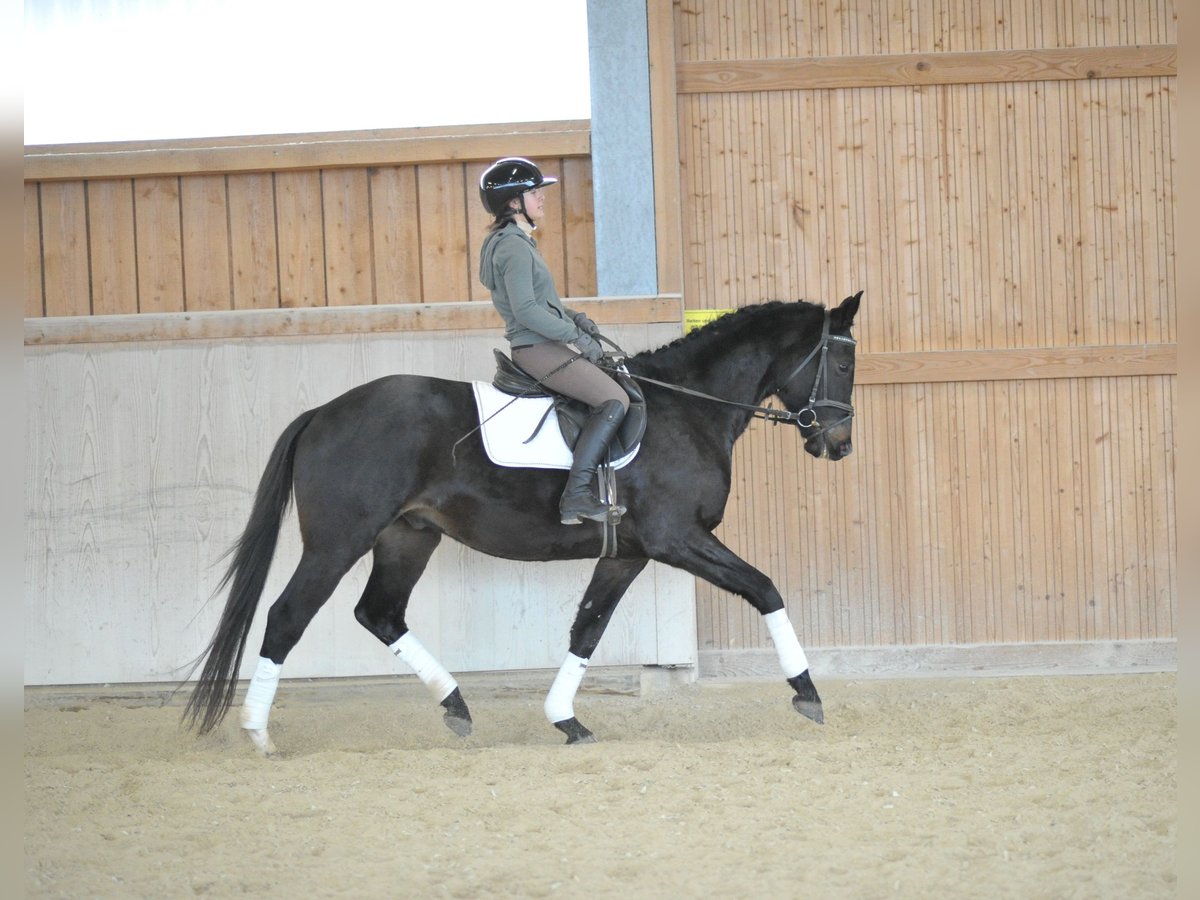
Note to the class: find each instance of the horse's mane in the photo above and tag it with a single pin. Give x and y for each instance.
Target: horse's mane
(765, 317)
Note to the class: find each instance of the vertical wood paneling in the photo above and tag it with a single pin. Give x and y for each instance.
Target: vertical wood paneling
(441, 195)
(254, 251)
(347, 237)
(300, 227)
(732, 29)
(345, 234)
(113, 247)
(550, 235)
(976, 216)
(32, 266)
(159, 245)
(205, 218)
(577, 229)
(395, 228)
(479, 221)
(65, 272)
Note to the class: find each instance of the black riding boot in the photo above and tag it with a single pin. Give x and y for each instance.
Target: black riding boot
(578, 502)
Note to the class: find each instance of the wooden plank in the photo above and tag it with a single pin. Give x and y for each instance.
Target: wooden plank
(974, 660)
(406, 317)
(1005, 365)
(159, 245)
(579, 233)
(396, 231)
(479, 222)
(551, 234)
(908, 69)
(298, 217)
(34, 296)
(441, 195)
(344, 196)
(65, 275)
(205, 223)
(113, 247)
(254, 250)
(306, 151)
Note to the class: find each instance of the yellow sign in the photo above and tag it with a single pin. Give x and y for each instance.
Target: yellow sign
(698, 318)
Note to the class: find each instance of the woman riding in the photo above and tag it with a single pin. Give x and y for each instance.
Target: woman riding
(539, 327)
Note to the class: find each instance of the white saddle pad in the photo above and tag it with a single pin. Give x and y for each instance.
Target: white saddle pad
(508, 422)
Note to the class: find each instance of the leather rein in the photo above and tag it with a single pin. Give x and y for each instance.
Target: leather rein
(770, 413)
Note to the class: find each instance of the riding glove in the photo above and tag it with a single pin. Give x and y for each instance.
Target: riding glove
(586, 325)
(589, 347)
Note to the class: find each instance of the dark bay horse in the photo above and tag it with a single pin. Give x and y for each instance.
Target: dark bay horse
(373, 471)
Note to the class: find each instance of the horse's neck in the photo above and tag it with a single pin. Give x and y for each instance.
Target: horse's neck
(738, 374)
(734, 372)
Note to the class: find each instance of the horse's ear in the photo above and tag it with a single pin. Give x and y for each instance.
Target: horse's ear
(847, 309)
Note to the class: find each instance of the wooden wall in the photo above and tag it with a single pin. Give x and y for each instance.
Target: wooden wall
(295, 221)
(999, 179)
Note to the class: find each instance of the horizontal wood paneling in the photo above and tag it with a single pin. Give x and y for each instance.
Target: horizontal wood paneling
(409, 317)
(277, 153)
(892, 70)
(332, 220)
(1000, 181)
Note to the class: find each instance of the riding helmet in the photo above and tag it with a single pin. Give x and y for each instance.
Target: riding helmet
(507, 178)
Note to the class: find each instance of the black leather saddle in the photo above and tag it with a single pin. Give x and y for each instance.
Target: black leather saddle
(573, 414)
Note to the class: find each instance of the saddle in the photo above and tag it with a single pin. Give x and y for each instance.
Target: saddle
(573, 414)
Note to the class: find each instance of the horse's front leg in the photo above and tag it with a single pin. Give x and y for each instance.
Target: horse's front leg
(608, 585)
(704, 556)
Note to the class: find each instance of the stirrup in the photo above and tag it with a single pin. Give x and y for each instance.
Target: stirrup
(597, 512)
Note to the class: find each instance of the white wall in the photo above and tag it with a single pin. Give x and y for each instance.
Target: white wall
(141, 463)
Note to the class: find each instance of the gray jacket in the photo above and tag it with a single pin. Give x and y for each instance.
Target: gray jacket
(523, 291)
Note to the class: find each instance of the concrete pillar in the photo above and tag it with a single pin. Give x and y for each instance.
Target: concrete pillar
(622, 150)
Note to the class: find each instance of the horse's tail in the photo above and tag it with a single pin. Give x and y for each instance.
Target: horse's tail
(246, 576)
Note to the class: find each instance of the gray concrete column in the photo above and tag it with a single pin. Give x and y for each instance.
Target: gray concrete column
(622, 149)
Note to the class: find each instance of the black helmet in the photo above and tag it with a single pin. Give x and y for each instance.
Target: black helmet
(507, 178)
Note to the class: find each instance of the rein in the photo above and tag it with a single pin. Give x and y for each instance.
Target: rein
(770, 413)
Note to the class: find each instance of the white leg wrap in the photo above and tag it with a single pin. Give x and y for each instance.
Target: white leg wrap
(256, 708)
(560, 702)
(783, 635)
(431, 672)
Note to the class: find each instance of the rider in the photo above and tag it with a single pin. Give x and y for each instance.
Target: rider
(539, 327)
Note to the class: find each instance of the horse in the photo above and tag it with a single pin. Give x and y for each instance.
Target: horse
(384, 469)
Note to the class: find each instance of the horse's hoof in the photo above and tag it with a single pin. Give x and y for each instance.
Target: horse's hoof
(575, 732)
(457, 717)
(262, 741)
(809, 710)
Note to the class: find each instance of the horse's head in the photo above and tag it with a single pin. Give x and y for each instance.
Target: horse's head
(820, 390)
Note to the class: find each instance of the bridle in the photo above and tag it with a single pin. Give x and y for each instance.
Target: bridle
(770, 413)
(821, 384)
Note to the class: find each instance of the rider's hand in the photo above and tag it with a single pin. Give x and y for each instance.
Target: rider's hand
(589, 347)
(586, 325)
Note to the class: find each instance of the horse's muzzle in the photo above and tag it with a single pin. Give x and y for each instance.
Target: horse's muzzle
(834, 444)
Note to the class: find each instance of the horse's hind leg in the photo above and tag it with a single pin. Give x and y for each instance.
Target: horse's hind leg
(315, 578)
(400, 556)
(609, 583)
